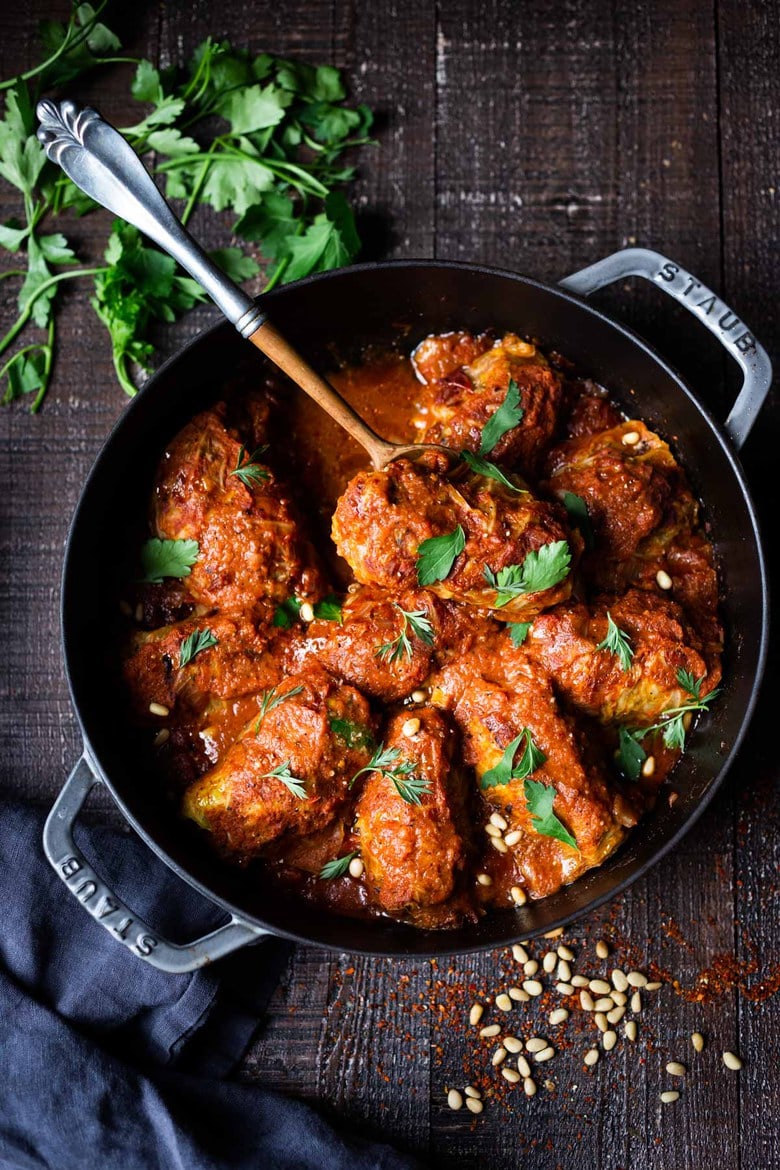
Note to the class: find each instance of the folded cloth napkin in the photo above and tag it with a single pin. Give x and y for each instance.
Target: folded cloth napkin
(106, 1062)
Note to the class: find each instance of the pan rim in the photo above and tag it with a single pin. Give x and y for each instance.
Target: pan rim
(423, 952)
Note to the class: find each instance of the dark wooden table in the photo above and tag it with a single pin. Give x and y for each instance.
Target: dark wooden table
(538, 137)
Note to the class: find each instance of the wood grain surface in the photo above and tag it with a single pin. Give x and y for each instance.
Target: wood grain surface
(537, 137)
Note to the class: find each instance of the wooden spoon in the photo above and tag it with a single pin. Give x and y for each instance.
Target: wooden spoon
(99, 161)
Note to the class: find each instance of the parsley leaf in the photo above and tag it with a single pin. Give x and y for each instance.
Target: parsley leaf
(505, 770)
(270, 699)
(287, 612)
(542, 569)
(282, 772)
(385, 761)
(247, 469)
(631, 753)
(337, 867)
(579, 516)
(671, 723)
(167, 558)
(438, 554)
(194, 644)
(401, 647)
(329, 609)
(689, 683)
(490, 470)
(540, 799)
(508, 415)
(354, 735)
(518, 632)
(618, 643)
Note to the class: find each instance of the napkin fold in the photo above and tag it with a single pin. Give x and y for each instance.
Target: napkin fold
(107, 1062)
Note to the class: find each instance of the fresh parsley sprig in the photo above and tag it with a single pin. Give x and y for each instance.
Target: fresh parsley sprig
(531, 758)
(354, 735)
(539, 800)
(418, 622)
(617, 642)
(337, 867)
(387, 762)
(631, 753)
(579, 517)
(194, 644)
(490, 470)
(437, 555)
(541, 569)
(518, 632)
(282, 772)
(167, 558)
(508, 416)
(247, 468)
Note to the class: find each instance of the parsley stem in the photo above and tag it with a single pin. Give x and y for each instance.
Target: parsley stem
(275, 276)
(196, 190)
(68, 42)
(48, 354)
(26, 313)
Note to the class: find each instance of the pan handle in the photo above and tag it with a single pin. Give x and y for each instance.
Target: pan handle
(101, 902)
(733, 335)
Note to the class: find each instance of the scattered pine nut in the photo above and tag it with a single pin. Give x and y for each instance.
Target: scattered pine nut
(533, 987)
(697, 1040)
(616, 1015)
(490, 829)
(675, 1069)
(523, 1066)
(604, 1004)
(732, 1061)
(474, 1105)
(499, 1056)
(510, 1075)
(602, 950)
(558, 1016)
(163, 735)
(669, 1096)
(454, 1099)
(503, 1002)
(158, 709)
(411, 727)
(564, 988)
(499, 844)
(519, 995)
(663, 580)
(648, 768)
(535, 1044)
(591, 1057)
(490, 1030)
(600, 986)
(566, 953)
(484, 879)
(653, 986)
(546, 1054)
(630, 438)
(529, 1087)
(520, 953)
(609, 1040)
(417, 696)
(586, 1001)
(139, 613)
(497, 820)
(475, 1015)
(636, 979)
(636, 1002)
(513, 837)
(356, 867)
(550, 962)
(470, 1091)
(554, 933)
(306, 612)
(519, 896)
(620, 998)
(531, 967)
(601, 1021)
(579, 981)
(619, 981)
(512, 1044)
(630, 1030)
(564, 971)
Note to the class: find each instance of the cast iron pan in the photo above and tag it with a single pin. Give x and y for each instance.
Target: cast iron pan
(384, 303)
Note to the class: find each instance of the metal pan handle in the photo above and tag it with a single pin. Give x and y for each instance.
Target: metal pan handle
(102, 903)
(733, 335)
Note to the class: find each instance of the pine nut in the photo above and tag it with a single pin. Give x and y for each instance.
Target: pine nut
(163, 735)
(454, 1099)
(470, 1091)
(533, 987)
(139, 613)
(490, 829)
(503, 1003)
(535, 1044)
(484, 879)
(579, 981)
(499, 845)
(586, 1001)
(566, 953)
(475, 1015)
(411, 727)
(648, 768)
(356, 867)
(630, 438)
(564, 971)
(609, 1040)
(512, 1044)
(697, 1040)
(529, 1087)
(158, 709)
(600, 986)
(663, 579)
(523, 1066)
(630, 1030)
(591, 1057)
(474, 1105)
(510, 1075)
(636, 1002)
(519, 995)
(619, 998)
(604, 1004)
(520, 953)
(616, 1015)
(669, 1096)
(498, 1056)
(490, 1030)
(513, 837)
(531, 967)
(732, 1061)
(636, 979)
(619, 981)
(601, 1021)
(675, 1069)
(545, 1055)
(653, 986)
(554, 933)
(497, 820)
(564, 988)
(417, 696)
(519, 896)
(550, 962)
(558, 1016)
(306, 612)
(602, 950)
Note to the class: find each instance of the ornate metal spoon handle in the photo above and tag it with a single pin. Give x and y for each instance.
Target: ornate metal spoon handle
(99, 161)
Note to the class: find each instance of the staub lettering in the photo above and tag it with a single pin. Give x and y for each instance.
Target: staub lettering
(87, 887)
(716, 315)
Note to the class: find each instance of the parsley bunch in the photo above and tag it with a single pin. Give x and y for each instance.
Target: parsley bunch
(258, 136)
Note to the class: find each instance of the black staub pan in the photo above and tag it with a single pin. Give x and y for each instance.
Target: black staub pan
(382, 303)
